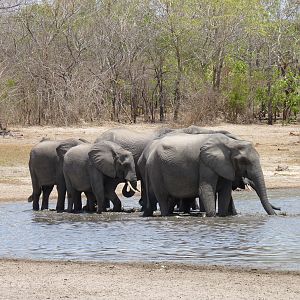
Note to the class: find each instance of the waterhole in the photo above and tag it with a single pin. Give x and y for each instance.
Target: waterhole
(250, 239)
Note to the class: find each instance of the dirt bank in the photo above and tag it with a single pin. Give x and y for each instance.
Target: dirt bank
(23, 279)
(279, 148)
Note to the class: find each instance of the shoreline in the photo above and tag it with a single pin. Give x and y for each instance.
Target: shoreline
(26, 279)
(168, 265)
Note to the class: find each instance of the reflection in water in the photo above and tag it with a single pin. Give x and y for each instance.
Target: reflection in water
(250, 239)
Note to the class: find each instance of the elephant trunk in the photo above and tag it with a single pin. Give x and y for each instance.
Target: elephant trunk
(258, 183)
(129, 189)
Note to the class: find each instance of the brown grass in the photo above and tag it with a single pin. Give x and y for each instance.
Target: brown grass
(11, 181)
(14, 154)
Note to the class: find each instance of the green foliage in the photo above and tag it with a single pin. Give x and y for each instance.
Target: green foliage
(69, 60)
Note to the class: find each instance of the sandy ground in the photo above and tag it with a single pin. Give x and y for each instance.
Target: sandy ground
(279, 148)
(24, 280)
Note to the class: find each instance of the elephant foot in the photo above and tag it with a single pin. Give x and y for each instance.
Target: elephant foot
(44, 208)
(129, 210)
(89, 209)
(210, 214)
(148, 213)
(60, 209)
(117, 209)
(35, 207)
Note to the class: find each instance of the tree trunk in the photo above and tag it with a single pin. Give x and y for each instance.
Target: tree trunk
(270, 105)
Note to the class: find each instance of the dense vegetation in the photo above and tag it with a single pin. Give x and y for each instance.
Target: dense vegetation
(193, 61)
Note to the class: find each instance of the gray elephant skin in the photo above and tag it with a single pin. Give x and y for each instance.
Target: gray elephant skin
(46, 171)
(136, 142)
(186, 166)
(95, 169)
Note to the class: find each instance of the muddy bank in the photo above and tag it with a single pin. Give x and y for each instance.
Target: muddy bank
(23, 279)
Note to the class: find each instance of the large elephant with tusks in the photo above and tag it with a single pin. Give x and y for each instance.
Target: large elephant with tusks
(186, 166)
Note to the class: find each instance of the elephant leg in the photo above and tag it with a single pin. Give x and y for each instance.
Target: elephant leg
(224, 198)
(36, 199)
(164, 205)
(47, 189)
(116, 202)
(232, 210)
(162, 197)
(207, 196)
(91, 202)
(202, 208)
(172, 203)
(76, 198)
(70, 192)
(70, 203)
(61, 195)
(143, 201)
(110, 194)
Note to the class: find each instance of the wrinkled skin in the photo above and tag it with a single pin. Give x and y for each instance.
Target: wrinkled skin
(94, 169)
(186, 166)
(135, 142)
(46, 171)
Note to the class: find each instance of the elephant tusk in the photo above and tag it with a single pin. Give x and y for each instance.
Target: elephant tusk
(249, 187)
(131, 187)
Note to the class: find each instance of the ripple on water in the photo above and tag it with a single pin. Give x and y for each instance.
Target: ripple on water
(250, 239)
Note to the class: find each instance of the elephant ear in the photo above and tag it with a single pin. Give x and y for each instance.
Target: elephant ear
(217, 156)
(103, 156)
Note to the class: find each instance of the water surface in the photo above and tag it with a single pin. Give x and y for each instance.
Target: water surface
(251, 239)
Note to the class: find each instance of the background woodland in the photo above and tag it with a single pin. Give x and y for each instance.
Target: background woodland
(189, 61)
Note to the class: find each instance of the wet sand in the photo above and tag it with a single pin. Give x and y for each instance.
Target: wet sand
(23, 279)
(279, 148)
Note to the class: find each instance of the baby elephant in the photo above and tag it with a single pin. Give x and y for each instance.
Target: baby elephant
(96, 169)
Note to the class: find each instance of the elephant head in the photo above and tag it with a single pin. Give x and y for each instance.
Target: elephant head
(114, 162)
(230, 159)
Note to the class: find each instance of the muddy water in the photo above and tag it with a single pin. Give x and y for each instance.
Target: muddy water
(250, 239)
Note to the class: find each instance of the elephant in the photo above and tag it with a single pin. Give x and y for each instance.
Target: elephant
(46, 171)
(94, 169)
(135, 142)
(200, 130)
(203, 165)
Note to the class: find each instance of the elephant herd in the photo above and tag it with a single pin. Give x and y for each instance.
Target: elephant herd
(175, 166)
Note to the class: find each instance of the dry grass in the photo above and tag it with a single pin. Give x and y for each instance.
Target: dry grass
(11, 181)
(14, 154)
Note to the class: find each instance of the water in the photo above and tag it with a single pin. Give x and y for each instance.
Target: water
(251, 239)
